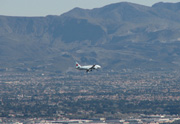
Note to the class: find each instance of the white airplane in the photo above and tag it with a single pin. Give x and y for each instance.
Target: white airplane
(87, 67)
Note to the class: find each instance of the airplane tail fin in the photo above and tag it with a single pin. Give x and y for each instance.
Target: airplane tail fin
(78, 65)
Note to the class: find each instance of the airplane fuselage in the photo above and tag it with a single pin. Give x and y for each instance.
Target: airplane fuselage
(87, 67)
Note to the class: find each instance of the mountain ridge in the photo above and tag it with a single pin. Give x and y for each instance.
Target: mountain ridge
(126, 35)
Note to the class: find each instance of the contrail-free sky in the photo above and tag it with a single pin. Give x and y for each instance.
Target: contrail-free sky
(57, 7)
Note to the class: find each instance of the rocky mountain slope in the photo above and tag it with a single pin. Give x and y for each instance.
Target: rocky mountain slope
(125, 35)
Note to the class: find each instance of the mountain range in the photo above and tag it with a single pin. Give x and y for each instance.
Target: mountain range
(120, 36)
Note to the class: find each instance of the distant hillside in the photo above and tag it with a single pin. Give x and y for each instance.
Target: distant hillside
(125, 35)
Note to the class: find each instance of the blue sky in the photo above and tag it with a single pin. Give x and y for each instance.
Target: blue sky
(57, 7)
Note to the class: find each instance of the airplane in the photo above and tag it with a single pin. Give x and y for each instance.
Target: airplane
(87, 67)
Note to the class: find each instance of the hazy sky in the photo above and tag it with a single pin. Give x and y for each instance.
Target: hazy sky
(57, 7)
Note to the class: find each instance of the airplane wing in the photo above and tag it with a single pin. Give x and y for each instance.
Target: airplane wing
(92, 67)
